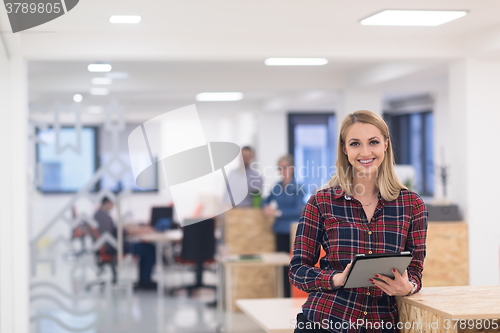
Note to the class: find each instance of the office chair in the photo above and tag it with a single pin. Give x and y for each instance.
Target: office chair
(198, 247)
(106, 255)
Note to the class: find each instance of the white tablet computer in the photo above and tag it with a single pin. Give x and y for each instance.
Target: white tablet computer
(365, 266)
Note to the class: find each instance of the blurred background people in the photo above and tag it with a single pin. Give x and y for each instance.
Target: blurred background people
(144, 251)
(285, 204)
(253, 179)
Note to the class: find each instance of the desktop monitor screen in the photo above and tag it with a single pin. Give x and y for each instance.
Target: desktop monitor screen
(161, 218)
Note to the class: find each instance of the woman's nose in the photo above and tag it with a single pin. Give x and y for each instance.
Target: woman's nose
(365, 150)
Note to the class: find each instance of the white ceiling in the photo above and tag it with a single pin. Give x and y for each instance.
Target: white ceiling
(181, 48)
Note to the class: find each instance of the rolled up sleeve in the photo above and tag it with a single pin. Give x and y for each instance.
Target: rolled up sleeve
(306, 251)
(415, 242)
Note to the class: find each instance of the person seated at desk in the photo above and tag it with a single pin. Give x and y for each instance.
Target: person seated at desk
(285, 203)
(145, 251)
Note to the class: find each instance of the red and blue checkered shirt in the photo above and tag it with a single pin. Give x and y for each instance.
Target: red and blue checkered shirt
(337, 222)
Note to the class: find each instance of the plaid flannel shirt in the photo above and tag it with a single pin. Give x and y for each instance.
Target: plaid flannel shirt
(337, 222)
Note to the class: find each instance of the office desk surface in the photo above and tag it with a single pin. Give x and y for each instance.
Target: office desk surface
(161, 237)
(464, 302)
(270, 258)
(274, 315)
(277, 315)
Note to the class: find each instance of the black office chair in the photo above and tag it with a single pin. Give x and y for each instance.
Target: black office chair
(198, 247)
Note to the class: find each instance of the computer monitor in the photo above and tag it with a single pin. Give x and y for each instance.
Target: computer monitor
(161, 218)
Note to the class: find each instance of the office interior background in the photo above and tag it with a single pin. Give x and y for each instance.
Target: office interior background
(437, 86)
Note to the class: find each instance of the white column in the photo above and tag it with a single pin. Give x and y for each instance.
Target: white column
(14, 254)
(271, 144)
(350, 101)
(475, 182)
(442, 142)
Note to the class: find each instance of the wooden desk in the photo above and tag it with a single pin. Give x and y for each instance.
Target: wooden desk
(161, 239)
(274, 315)
(464, 309)
(269, 261)
(261, 279)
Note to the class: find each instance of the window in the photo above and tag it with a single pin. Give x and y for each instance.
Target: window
(311, 140)
(412, 137)
(119, 173)
(66, 170)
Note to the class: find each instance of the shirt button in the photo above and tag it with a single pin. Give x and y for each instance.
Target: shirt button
(365, 313)
(369, 232)
(370, 252)
(368, 294)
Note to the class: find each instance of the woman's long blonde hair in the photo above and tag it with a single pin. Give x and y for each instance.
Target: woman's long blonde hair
(387, 181)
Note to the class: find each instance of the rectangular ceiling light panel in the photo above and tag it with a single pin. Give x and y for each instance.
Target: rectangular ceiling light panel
(429, 18)
(295, 61)
(219, 96)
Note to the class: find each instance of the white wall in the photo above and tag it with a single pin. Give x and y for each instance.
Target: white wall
(14, 251)
(475, 105)
(272, 143)
(442, 144)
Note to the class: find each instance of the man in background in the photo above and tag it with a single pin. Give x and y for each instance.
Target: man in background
(253, 178)
(145, 251)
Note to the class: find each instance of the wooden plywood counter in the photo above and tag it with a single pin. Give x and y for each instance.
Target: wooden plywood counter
(446, 263)
(463, 309)
(248, 231)
(269, 284)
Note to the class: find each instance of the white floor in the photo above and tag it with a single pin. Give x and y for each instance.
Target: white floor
(60, 303)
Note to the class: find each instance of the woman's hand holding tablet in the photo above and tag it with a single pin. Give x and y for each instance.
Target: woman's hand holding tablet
(339, 278)
(399, 286)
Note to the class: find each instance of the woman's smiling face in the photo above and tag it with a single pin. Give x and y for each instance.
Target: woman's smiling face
(365, 146)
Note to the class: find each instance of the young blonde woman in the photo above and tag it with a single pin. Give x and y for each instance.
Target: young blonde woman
(365, 209)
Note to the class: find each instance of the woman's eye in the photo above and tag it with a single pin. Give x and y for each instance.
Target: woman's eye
(354, 144)
(374, 142)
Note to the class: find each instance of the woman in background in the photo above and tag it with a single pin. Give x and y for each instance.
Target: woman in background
(365, 209)
(285, 203)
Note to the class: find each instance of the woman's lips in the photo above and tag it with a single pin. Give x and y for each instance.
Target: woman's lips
(366, 162)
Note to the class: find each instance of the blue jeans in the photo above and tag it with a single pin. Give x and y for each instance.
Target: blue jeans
(147, 259)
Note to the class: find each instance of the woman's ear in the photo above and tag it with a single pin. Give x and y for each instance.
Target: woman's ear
(386, 144)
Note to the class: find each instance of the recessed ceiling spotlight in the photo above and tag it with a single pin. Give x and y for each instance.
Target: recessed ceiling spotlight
(295, 61)
(125, 19)
(117, 75)
(102, 80)
(219, 96)
(99, 91)
(95, 109)
(99, 67)
(429, 18)
(77, 98)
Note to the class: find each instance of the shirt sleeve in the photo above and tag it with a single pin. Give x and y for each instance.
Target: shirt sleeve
(254, 181)
(269, 198)
(293, 209)
(415, 242)
(306, 250)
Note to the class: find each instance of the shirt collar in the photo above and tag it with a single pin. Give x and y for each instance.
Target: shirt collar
(338, 192)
